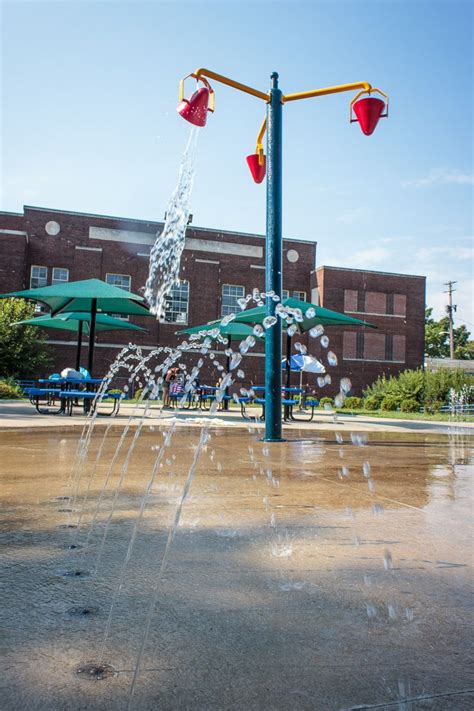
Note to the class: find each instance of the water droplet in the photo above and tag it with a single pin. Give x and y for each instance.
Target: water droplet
(321, 382)
(371, 484)
(298, 314)
(359, 439)
(324, 341)
(366, 469)
(275, 297)
(327, 379)
(392, 612)
(310, 313)
(242, 302)
(240, 374)
(339, 400)
(332, 358)
(269, 321)
(371, 611)
(258, 329)
(409, 613)
(292, 329)
(316, 331)
(345, 385)
(236, 398)
(387, 560)
(227, 319)
(339, 438)
(301, 348)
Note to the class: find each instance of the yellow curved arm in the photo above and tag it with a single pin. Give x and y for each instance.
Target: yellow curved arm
(203, 72)
(328, 90)
(259, 142)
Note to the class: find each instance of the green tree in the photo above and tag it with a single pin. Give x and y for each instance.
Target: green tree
(23, 350)
(437, 339)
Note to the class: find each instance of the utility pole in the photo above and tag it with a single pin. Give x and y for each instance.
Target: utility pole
(449, 310)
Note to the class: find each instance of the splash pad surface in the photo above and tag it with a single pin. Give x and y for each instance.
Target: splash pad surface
(291, 583)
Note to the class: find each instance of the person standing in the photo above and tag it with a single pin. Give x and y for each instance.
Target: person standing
(169, 377)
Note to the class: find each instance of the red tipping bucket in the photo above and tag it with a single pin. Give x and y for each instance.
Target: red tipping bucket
(368, 112)
(195, 109)
(258, 170)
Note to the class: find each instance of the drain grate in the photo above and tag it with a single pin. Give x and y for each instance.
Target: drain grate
(95, 671)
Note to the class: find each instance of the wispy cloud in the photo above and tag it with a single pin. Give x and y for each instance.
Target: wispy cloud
(451, 252)
(370, 257)
(351, 216)
(440, 177)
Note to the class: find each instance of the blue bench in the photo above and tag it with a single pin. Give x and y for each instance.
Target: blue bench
(70, 397)
(45, 399)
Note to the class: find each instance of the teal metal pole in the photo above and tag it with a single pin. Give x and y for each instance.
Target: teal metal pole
(273, 264)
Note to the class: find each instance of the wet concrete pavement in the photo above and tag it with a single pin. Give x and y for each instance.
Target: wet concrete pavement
(315, 574)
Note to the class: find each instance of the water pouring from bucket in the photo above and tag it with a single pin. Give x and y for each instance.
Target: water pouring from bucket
(368, 111)
(196, 108)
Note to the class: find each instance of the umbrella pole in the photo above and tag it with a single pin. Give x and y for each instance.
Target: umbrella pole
(226, 393)
(90, 362)
(79, 346)
(288, 372)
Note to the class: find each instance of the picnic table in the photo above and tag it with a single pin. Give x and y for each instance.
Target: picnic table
(288, 401)
(55, 396)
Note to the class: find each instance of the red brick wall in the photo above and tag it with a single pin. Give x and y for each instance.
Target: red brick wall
(341, 289)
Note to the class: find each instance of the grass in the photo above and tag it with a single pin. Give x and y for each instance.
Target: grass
(395, 415)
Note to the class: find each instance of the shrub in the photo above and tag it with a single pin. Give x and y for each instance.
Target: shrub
(433, 406)
(352, 403)
(326, 401)
(389, 403)
(10, 390)
(410, 405)
(372, 402)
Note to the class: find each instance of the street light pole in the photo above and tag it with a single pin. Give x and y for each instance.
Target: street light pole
(273, 263)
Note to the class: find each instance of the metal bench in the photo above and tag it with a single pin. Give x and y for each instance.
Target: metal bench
(71, 397)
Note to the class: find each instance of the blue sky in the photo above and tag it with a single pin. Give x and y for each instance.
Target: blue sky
(88, 100)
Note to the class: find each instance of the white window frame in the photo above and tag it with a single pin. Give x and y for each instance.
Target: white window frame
(180, 318)
(123, 317)
(55, 280)
(38, 266)
(227, 309)
(297, 291)
(285, 294)
(114, 274)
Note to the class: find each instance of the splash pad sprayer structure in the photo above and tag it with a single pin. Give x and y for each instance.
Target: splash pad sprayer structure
(367, 111)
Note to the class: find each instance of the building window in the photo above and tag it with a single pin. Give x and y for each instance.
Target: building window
(230, 294)
(399, 304)
(123, 281)
(350, 300)
(38, 277)
(60, 275)
(375, 302)
(177, 303)
(399, 345)
(300, 295)
(285, 294)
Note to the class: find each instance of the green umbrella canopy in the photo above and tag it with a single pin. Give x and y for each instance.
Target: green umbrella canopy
(326, 317)
(70, 322)
(234, 331)
(76, 296)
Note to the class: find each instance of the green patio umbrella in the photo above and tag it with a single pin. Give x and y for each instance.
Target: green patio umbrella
(233, 331)
(92, 296)
(326, 317)
(322, 316)
(80, 323)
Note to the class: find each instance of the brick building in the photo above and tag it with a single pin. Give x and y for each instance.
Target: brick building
(42, 246)
(395, 303)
